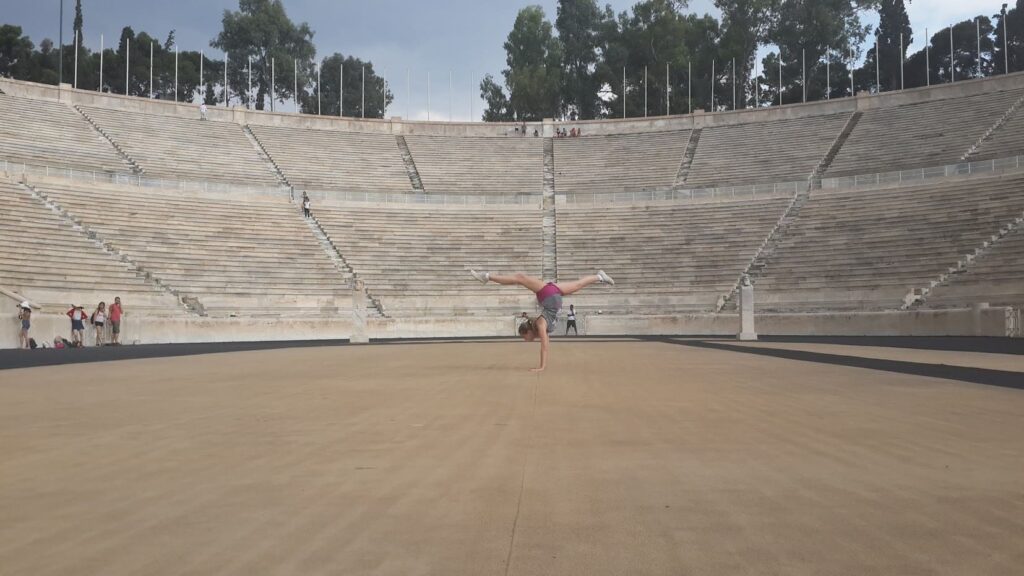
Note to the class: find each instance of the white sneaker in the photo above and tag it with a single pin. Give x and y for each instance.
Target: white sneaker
(483, 277)
(604, 278)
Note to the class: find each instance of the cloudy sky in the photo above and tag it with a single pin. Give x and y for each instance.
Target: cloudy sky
(461, 37)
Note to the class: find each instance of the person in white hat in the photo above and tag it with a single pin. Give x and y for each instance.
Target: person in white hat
(25, 315)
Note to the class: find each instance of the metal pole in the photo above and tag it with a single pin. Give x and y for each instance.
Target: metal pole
(295, 80)
(780, 77)
(150, 70)
(101, 64)
(927, 59)
(384, 95)
(757, 86)
(977, 23)
(428, 96)
(202, 60)
(451, 87)
(273, 82)
(952, 63)
(127, 61)
(227, 90)
(472, 77)
(734, 84)
(175, 72)
(1006, 58)
(408, 92)
(623, 91)
(60, 51)
(76, 60)
(853, 90)
(668, 101)
(248, 95)
(828, 74)
(362, 106)
(803, 71)
(645, 91)
(902, 60)
(878, 66)
(317, 88)
(689, 85)
(341, 90)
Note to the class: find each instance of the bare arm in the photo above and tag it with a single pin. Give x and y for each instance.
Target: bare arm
(542, 328)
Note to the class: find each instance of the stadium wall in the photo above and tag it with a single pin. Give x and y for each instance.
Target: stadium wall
(998, 322)
(399, 126)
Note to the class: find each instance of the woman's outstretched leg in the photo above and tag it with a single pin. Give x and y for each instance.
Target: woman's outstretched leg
(577, 285)
(531, 283)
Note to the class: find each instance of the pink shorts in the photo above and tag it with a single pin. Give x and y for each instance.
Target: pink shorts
(549, 289)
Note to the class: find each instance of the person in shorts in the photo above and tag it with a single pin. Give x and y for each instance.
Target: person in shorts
(99, 321)
(549, 296)
(570, 321)
(78, 316)
(25, 317)
(115, 322)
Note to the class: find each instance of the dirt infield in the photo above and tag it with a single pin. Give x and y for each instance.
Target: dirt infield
(451, 459)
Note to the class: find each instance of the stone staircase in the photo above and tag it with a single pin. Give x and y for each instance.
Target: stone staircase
(687, 162)
(124, 155)
(919, 296)
(410, 164)
(550, 269)
(759, 262)
(369, 302)
(837, 145)
(973, 150)
(189, 303)
(265, 156)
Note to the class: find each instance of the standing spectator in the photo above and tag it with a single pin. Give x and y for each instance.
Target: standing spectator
(571, 321)
(115, 321)
(25, 316)
(77, 315)
(202, 111)
(99, 320)
(305, 205)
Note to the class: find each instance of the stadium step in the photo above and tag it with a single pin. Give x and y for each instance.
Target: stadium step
(410, 164)
(343, 266)
(917, 297)
(549, 227)
(124, 155)
(988, 133)
(687, 162)
(837, 145)
(264, 155)
(108, 249)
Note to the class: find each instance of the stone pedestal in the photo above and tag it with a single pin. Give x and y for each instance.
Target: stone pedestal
(747, 331)
(359, 333)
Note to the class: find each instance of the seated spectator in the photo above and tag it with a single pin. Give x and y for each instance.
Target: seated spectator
(59, 343)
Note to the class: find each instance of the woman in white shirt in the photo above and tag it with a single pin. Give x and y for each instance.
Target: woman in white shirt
(99, 320)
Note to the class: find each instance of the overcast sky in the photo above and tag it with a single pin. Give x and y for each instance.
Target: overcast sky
(461, 36)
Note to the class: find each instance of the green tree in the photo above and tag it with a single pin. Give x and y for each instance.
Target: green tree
(745, 26)
(964, 61)
(352, 83)
(261, 31)
(533, 77)
(16, 53)
(579, 24)
(77, 26)
(498, 107)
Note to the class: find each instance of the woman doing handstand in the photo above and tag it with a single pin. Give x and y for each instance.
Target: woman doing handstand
(549, 295)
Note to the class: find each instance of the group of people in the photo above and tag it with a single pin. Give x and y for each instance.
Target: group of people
(563, 133)
(101, 319)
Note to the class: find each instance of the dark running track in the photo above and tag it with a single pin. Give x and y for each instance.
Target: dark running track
(10, 359)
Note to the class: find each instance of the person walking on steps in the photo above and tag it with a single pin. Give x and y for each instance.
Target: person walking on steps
(570, 321)
(549, 295)
(305, 205)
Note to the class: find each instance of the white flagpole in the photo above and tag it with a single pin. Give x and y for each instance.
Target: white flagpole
(689, 85)
(780, 77)
(408, 92)
(927, 58)
(828, 74)
(853, 90)
(248, 94)
(734, 84)
(202, 60)
(76, 59)
(151, 70)
(952, 63)
(318, 88)
(451, 87)
(803, 72)
(227, 90)
(977, 23)
(668, 95)
(713, 85)
(384, 96)
(101, 64)
(341, 90)
(878, 65)
(902, 60)
(757, 86)
(472, 77)
(127, 61)
(1006, 58)
(175, 72)
(362, 111)
(645, 91)
(623, 91)
(295, 85)
(428, 96)
(273, 82)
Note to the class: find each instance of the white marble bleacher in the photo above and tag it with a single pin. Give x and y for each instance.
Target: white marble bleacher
(508, 165)
(763, 152)
(253, 257)
(867, 249)
(47, 133)
(48, 261)
(619, 162)
(996, 278)
(665, 259)
(415, 259)
(179, 148)
(919, 135)
(314, 159)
